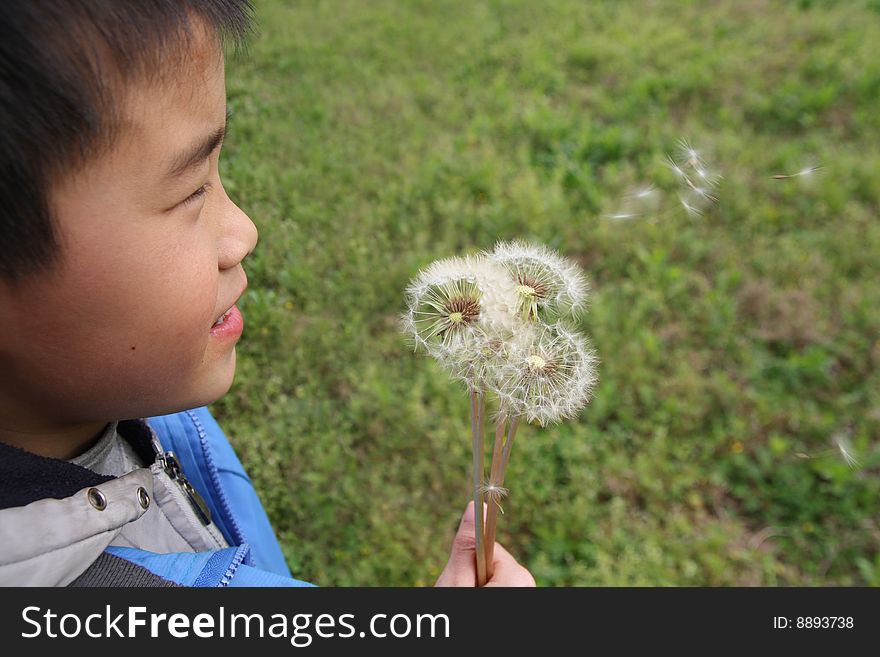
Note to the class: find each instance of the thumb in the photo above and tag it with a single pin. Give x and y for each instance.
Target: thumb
(464, 544)
(461, 569)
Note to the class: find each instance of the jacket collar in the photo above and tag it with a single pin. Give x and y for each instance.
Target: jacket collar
(50, 542)
(27, 477)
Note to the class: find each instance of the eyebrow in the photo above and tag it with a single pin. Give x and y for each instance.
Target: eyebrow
(198, 153)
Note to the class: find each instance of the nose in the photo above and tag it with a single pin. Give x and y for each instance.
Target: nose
(238, 236)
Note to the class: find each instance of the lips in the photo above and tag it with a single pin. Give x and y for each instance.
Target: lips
(222, 318)
(225, 315)
(230, 327)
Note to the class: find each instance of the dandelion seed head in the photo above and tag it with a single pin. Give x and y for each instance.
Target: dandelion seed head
(536, 362)
(475, 361)
(548, 373)
(453, 301)
(545, 281)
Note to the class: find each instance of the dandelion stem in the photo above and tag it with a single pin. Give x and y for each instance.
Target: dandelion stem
(492, 515)
(505, 455)
(500, 426)
(477, 409)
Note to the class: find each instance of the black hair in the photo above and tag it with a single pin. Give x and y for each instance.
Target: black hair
(62, 64)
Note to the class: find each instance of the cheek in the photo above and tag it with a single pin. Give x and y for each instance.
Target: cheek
(152, 318)
(169, 316)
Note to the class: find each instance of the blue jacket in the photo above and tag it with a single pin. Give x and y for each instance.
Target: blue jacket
(213, 468)
(32, 486)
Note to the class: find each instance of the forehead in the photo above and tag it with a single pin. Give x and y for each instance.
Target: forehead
(155, 118)
(187, 98)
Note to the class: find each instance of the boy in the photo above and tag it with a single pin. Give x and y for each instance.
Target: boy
(120, 267)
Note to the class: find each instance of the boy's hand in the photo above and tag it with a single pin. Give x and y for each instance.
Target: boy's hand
(461, 570)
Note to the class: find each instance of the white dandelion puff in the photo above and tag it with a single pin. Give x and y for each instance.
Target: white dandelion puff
(453, 306)
(545, 281)
(476, 359)
(548, 373)
(483, 318)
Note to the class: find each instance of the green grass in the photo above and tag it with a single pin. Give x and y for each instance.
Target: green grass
(369, 139)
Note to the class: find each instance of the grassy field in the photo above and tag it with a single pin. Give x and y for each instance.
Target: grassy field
(369, 139)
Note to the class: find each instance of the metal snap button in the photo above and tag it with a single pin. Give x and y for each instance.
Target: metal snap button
(143, 497)
(97, 499)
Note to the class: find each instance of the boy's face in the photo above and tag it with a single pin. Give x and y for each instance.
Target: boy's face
(123, 327)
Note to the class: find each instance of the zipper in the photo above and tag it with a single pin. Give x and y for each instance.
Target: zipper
(225, 507)
(171, 466)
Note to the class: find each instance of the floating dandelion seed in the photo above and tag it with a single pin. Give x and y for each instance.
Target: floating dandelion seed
(548, 374)
(841, 441)
(545, 282)
(695, 176)
(623, 216)
(637, 202)
(692, 209)
(707, 181)
(803, 173)
(673, 165)
(705, 194)
(689, 155)
(643, 193)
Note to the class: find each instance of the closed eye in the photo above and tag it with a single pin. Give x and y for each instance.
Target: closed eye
(196, 195)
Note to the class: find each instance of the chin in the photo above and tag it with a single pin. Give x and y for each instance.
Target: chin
(221, 378)
(216, 382)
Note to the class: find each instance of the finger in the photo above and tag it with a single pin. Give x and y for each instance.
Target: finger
(508, 571)
(461, 568)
